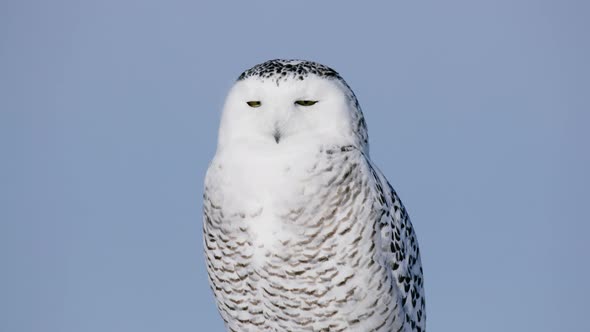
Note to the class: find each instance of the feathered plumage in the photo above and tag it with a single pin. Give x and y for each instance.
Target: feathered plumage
(305, 233)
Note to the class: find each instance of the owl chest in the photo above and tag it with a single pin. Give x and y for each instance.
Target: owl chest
(305, 237)
(305, 216)
(283, 208)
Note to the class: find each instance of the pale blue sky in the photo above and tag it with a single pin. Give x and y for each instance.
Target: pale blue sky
(478, 113)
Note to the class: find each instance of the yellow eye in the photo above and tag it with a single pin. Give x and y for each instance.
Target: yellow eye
(306, 102)
(254, 103)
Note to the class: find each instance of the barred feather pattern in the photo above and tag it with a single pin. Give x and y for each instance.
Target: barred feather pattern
(336, 251)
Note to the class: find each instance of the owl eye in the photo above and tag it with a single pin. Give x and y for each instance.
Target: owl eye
(254, 103)
(306, 102)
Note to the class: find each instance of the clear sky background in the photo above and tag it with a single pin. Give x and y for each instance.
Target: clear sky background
(478, 113)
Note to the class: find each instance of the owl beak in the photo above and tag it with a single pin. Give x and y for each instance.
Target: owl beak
(277, 135)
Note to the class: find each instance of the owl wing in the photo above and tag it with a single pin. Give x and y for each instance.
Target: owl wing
(399, 251)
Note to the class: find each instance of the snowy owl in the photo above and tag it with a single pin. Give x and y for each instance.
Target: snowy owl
(301, 231)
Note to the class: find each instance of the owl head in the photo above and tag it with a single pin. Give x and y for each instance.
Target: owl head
(286, 104)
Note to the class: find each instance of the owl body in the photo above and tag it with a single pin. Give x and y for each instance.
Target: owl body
(302, 232)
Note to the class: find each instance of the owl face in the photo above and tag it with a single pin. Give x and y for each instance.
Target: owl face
(287, 109)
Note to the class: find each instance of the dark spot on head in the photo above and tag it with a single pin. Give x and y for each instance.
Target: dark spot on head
(294, 68)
